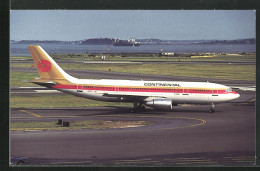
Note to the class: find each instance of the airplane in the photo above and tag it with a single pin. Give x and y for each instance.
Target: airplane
(155, 94)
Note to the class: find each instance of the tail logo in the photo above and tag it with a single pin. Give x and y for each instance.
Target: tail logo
(44, 66)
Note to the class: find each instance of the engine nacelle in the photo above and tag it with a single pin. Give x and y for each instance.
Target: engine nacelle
(160, 104)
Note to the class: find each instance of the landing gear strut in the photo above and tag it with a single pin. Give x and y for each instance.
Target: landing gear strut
(212, 109)
(138, 107)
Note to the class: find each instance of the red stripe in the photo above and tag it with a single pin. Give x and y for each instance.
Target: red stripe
(142, 89)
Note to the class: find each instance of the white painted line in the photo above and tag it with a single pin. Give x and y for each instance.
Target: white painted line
(47, 91)
(109, 62)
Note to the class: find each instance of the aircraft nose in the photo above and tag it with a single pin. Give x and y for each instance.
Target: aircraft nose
(236, 95)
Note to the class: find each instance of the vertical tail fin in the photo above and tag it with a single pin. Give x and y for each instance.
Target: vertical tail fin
(47, 68)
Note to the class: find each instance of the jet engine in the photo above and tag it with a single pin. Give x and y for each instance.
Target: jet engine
(160, 104)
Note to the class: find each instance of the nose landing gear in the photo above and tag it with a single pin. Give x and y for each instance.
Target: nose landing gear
(212, 109)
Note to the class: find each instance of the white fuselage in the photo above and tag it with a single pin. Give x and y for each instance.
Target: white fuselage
(130, 91)
(157, 94)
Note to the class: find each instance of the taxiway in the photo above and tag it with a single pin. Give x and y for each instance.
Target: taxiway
(189, 135)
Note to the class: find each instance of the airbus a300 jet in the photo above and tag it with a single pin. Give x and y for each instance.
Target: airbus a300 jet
(155, 94)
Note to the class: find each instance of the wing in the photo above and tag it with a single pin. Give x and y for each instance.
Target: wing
(250, 88)
(133, 95)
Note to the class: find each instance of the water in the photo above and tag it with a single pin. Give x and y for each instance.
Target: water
(18, 49)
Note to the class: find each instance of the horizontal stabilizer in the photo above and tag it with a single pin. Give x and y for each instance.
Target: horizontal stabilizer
(44, 82)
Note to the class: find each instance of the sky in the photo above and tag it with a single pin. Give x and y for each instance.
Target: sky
(71, 25)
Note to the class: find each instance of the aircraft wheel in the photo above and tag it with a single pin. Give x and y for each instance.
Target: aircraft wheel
(138, 109)
(135, 110)
(212, 110)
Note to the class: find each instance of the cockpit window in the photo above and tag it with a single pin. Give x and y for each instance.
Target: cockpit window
(229, 90)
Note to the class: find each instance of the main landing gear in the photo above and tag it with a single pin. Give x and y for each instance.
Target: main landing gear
(138, 107)
(212, 109)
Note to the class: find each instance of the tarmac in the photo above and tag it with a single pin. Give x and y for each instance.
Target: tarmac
(186, 136)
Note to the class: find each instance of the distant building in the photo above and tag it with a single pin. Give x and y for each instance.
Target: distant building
(103, 57)
(167, 53)
(130, 42)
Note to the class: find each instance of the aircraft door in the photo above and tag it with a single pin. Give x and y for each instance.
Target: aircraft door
(213, 96)
(116, 88)
(80, 88)
(214, 92)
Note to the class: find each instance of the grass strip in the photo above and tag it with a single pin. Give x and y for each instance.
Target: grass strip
(205, 70)
(218, 57)
(57, 100)
(86, 124)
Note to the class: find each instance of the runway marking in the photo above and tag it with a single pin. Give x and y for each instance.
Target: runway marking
(243, 159)
(246, 161)
(202, 122)
(189, 158)
(133, 160)
(137, 162)
(250, 101)
(239, 157)
(145, 161)
(194, 160)
(176, 161)
(34, 114)
(28, 129)
(198, 163)
(71, 162)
